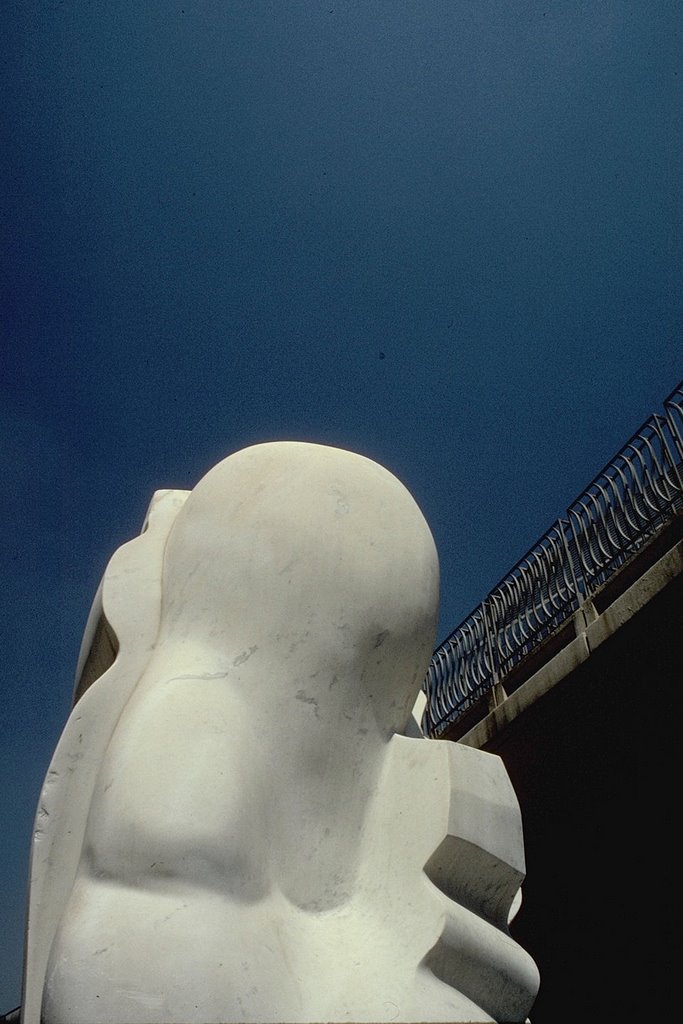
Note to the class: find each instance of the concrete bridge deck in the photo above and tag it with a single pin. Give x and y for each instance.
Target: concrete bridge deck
(590, 736)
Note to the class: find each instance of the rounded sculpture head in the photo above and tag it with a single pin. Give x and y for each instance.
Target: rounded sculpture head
(299, 565)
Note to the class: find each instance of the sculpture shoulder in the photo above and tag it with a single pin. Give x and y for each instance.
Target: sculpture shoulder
(180, 791)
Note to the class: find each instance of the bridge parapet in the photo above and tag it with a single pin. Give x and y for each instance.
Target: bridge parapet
(626, 507)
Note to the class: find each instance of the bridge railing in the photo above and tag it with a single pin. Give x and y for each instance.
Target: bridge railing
(637, 493)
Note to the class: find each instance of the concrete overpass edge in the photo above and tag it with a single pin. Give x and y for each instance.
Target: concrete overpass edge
(593, 629)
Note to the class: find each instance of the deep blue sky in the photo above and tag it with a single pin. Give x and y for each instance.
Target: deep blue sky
(444, 234)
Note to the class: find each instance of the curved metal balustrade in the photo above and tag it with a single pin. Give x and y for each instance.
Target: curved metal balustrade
(636, 495)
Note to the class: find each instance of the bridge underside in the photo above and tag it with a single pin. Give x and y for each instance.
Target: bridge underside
(594, 758)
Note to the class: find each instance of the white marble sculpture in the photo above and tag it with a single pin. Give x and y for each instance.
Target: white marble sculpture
(242, 821)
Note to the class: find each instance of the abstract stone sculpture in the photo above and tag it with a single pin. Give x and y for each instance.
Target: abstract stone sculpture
(242, 821)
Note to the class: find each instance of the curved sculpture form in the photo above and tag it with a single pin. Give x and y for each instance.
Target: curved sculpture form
(235, 825)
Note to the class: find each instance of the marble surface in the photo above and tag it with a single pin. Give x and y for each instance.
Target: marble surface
(242, 821)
